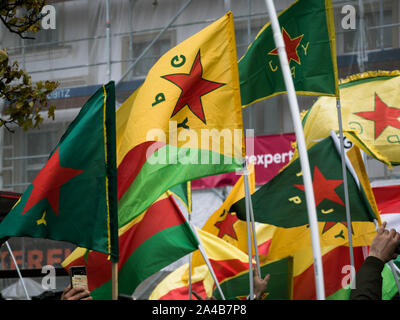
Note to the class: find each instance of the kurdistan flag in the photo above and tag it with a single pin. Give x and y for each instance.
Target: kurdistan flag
(335, 261)
(370, 104)
(309, 36)
(184, 122)
(281, 202)
(151, 241)
(73, 198)
(172, 287)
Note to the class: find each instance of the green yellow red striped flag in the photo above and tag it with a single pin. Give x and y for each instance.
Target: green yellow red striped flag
(151, 241)
(172, 287)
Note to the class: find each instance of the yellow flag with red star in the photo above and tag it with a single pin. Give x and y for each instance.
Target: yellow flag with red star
(184, 122)
(370, 105)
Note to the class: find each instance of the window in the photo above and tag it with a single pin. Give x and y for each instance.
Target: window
(43, 39)
(242, 34)
(139, 44)
(381, 37)
(38, 145)
(25, 153)
(376, 14)
(379, 171)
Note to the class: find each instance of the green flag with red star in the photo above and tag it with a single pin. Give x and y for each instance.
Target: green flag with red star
(309, 37)
(279, 285)
(282, 202)
(74, 197)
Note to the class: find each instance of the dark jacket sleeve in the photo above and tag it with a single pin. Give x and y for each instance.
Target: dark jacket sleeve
(368, 280)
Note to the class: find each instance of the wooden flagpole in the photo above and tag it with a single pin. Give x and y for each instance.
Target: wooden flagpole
(114, 279)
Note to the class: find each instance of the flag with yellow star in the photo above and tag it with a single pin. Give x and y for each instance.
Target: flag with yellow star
(184, 122)
(74, 197)
(370, 107)
(309, 37)
(281, 202)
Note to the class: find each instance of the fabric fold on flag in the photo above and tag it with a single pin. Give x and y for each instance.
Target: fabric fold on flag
(187, 120)
(370, 107)
(148, 243)
(77, 185)
(311, 53)
(279, 286)
(287, 209)
(336, 263)
(172, 287)
(226, 259)
(224, 223)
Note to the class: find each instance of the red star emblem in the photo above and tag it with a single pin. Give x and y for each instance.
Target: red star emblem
(383, 116)
(226, 226)
(291, 46)
(193, 87)
(47, 183)
(323, 188)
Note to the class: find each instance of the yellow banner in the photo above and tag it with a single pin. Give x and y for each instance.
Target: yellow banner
(190, 98)
(370, 104)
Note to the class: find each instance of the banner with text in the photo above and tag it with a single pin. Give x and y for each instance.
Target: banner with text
(271, 153)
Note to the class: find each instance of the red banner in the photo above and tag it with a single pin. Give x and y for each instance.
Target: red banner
(388, 199)
(271, 153)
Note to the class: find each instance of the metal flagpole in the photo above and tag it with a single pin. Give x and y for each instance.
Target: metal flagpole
(395, 274)
(203, 253)
(250, 208)
(305, 166)
(250, 219)
(251, 276)
(18, 271)
(108, 38)
(346, 187)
